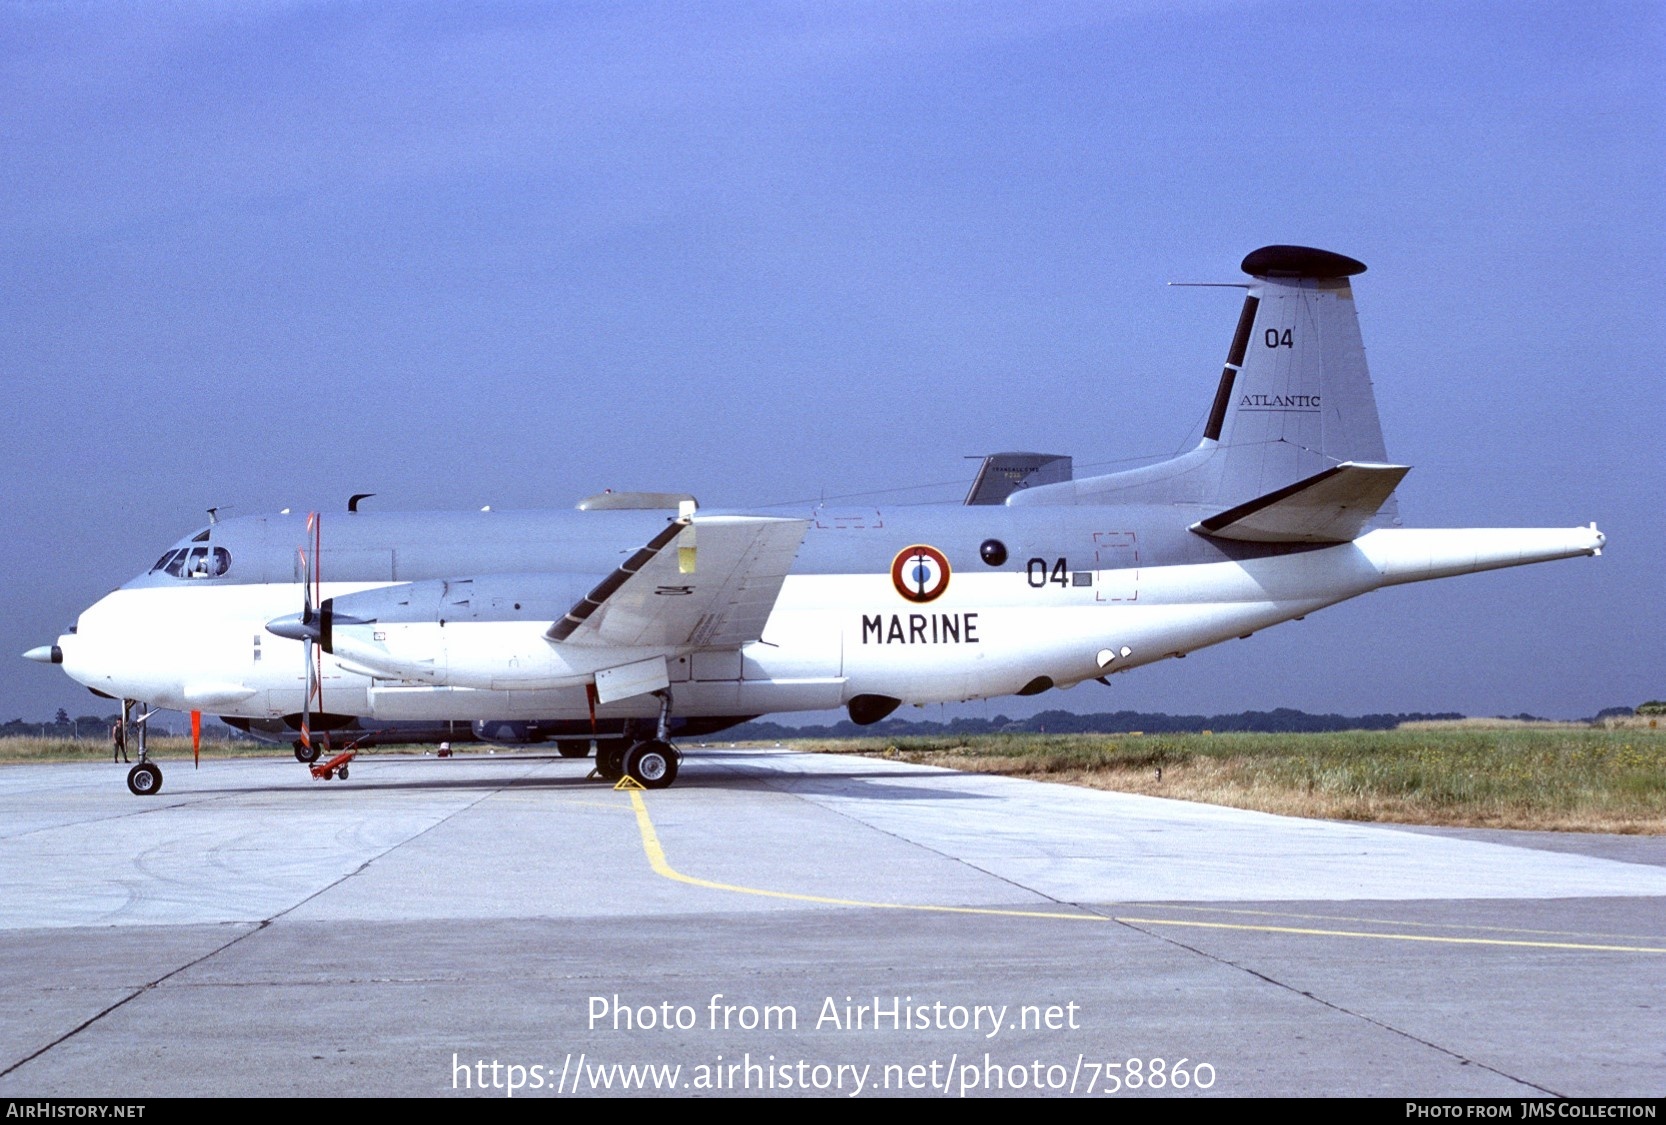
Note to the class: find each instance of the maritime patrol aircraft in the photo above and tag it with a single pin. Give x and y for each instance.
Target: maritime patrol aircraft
(638, 616)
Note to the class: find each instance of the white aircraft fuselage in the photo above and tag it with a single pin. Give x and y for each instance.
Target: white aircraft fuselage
(1051, 613)
(639, 607)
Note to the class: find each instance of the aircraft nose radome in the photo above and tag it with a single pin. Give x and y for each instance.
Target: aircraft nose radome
(290, 627)
(45, 654)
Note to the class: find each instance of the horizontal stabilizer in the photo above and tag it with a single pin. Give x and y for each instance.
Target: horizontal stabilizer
(1329, 507)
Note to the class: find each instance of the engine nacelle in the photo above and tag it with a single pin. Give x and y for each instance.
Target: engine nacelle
(483, 632)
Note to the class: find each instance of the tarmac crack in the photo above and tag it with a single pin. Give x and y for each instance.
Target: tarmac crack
(148, 810)
(391, 848)
(254, 929)
(132, 996)
(1463, 1060)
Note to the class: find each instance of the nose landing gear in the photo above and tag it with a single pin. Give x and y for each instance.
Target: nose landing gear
(144, 779)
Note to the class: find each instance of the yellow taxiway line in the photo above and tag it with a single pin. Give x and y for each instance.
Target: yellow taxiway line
(662, 867)
(1390, 937)
(657, 860)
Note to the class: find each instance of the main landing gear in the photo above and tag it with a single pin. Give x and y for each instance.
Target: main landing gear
(652, 763)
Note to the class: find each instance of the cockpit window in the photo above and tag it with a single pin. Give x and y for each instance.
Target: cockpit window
(194, 562)
(206, 563)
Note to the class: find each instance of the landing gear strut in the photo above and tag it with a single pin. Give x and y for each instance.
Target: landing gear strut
(144, 779)
(650, 762)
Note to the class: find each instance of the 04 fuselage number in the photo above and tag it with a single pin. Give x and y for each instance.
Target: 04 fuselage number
(1277, 339)
(1041, 572)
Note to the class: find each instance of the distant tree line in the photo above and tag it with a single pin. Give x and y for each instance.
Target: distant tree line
(83, 727)
(62, 726)
(1282, 720)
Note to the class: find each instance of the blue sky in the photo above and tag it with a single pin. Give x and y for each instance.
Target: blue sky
(267, 255)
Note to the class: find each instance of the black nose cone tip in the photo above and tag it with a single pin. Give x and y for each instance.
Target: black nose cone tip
(1299, 261)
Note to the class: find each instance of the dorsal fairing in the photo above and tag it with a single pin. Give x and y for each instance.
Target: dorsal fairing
(1002, 474)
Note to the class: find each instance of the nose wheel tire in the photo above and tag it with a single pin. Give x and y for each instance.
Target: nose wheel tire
(653, 764)
(144, 780)
(307, 754)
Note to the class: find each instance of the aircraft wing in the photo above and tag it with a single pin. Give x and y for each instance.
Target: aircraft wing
(714, 590)
(1328, 507)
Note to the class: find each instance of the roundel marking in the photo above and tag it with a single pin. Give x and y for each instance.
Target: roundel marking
(920, 573)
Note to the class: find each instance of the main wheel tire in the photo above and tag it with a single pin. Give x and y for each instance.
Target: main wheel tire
(144, 780)
(653, 764)
(305, 753)
(610, 761)
(571, 749)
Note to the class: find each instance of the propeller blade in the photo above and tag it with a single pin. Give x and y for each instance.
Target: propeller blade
(306, 585)
(315, 526)
(306, 630)
(315, 523)
(306, 697)
(309, 629)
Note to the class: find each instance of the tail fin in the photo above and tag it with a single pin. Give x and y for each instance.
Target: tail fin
(1294, 400)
